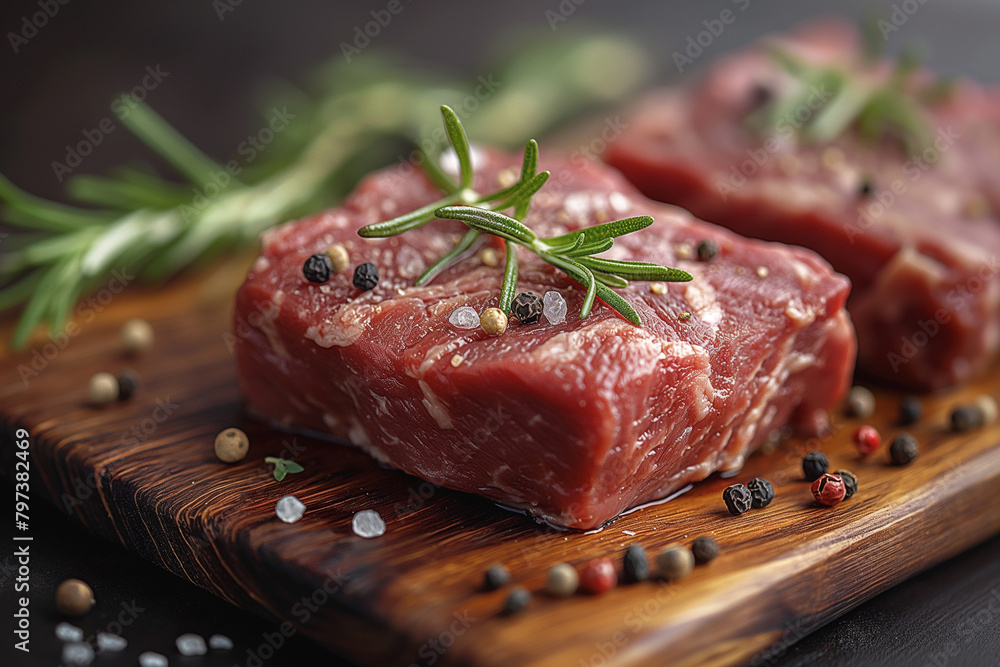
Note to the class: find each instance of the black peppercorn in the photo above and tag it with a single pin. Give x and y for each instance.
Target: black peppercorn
(365, 276)
(635, 565)
(761, 491)
(497, 576)
(518, 599)
(318, 268)
(738, 499)
(814, 465)
(910, 411)
(904, 449)
(965, 418)
(704, 549)
(527, 307)
(128, 384)
(850, 482)
(866, 188)
(707, 249)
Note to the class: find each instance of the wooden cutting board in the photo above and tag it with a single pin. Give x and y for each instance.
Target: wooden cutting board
(143, 473)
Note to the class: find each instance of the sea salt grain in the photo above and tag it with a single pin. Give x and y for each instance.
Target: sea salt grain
(289, 509)
(77, 653)
(67, 632)
(464, 317)
(220, 642)
(107, 642)
(191, 644)
(554, 307)
(368, 523)
(150, 659)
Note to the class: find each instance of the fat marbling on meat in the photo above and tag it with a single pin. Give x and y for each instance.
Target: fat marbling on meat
(574, 422)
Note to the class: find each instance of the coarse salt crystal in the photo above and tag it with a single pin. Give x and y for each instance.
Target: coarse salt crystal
(77, 653)
(554, 307)
(368, 523)
(107, 642)
(191, 644)
(289, 509)
(658, 288)
(220, 642)
(464, 317)
(67, 632)
(151, 659)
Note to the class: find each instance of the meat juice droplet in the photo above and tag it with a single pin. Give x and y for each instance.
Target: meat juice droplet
(289, 509)
(554, 307)
(368, 523)
(464, 317)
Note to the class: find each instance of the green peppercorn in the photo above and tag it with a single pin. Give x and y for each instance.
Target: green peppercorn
(231, 445)
(496, 576)
(563, 580)
(904, 449)
(675, 561)
(860, 402)
(704, 549)
(814, 464)
(635, 564)
(74, 598)
(518, 599)
(850, 482)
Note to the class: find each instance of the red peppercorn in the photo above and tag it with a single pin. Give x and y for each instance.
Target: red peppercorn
(829, 489)
(867, 439)
(598, 576)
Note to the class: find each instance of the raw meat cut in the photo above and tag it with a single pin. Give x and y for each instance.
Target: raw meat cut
(919, 244)
(575, 421)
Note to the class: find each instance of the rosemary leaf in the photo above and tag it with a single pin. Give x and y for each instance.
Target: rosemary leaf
(606, 230)
(508, 288)
(620, 305)
(492, 222)
(460, 142)
(591, 248)
(643, 271)
(461, 248)
(406, 222)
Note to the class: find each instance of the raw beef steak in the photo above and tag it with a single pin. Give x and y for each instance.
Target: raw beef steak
(917, 234)
(576, 421)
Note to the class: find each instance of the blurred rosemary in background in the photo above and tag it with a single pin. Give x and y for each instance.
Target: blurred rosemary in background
(358, 119)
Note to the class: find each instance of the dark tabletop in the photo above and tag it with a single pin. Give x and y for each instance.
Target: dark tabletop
(58, 84)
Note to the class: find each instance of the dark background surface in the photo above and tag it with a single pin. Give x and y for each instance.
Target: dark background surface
(60, 83)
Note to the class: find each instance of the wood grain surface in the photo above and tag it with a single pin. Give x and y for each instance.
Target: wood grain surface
(143, 473)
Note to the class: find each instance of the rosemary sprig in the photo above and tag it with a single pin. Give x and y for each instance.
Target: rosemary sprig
(153, 227)
(571, 253)
(877, 108)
